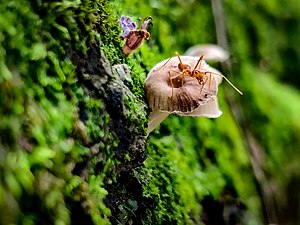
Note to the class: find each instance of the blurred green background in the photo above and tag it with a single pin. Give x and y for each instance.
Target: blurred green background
(254, 145)
(241, 168)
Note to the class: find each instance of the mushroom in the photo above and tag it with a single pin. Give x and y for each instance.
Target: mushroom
(211, 52)
(169, 92)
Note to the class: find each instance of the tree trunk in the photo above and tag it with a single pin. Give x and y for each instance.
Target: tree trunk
(73, 130)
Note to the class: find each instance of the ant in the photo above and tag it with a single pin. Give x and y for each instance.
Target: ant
(201, 76)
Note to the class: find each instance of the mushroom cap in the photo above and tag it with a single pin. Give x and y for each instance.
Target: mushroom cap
(179, 97)
(211, 52)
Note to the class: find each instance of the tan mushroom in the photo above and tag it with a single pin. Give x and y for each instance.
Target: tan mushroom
(169, 92)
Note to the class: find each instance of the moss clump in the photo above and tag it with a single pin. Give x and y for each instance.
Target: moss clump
(45, 178)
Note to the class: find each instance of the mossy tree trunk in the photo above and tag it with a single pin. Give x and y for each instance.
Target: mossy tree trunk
(73, 145)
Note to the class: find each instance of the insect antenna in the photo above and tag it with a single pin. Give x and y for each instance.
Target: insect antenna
(199, 62)
(182, 66)
(165, 63)
(225, 78)
(177, 54)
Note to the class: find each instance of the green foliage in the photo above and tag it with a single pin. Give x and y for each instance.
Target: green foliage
(45, 147)
(269, 36)
(185, 145)
(276, 127)
(201, 161)
(38, 111)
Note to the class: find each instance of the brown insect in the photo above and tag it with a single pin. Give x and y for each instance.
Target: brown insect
(133, 36)
(201, 75)
(167, 92)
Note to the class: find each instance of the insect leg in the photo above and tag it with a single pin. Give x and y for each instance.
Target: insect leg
(182, 75)
(202, 82)
(171, 86)
(146, 35)
(209, 81)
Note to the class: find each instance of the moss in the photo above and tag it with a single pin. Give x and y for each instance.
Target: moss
(40, 97)
(73, 131)
(196, 168)
(137, 112)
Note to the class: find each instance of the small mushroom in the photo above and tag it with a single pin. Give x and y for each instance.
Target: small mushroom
(211, 52)
(169, 92)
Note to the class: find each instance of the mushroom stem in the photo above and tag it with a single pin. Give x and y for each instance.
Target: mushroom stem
(155, 118)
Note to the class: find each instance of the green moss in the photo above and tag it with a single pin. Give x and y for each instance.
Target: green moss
(57, 145)
(184, 155)
(136, 112)
(39, 113)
